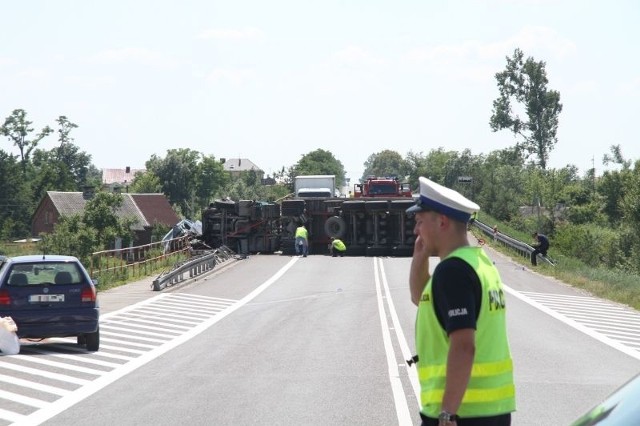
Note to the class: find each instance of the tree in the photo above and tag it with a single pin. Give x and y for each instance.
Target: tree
(145, 183)
(438, 165)
(63, 168)
(525, 82)
(101, 214)
(613, 185)
(211, 178)
(177, 174)
(16, 203)
(319, 162)
(71, 236)
(17, 128)
(385, 163)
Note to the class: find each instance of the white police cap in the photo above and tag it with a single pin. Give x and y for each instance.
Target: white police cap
(435, 197)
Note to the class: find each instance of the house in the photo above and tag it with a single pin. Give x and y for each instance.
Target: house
(147, 210)
(235, 166)
(113, 179)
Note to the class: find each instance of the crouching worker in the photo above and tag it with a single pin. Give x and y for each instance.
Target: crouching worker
(337, 247)
(9, 342)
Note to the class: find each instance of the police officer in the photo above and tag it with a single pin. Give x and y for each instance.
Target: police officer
(337, 247)
(302, 240)
(464, 361)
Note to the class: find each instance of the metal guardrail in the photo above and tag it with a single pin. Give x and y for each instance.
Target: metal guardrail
(519, 247)
(195, 266)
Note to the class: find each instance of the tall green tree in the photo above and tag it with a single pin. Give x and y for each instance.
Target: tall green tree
(438, 165)
(613, 185)
(525, 83)
(320, 162)
(145, 183)
(16, 203)
(63, 168)
(211, 178)
(17, 128)
(177, 173)
(386, 163)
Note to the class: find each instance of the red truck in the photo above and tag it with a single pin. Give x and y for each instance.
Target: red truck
(377, 187)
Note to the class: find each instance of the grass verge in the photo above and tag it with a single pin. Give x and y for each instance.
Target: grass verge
(615, 285)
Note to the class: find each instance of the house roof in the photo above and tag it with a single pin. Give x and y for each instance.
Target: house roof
(155, 208)
(146, 209)
(121, 176)
(240, 165)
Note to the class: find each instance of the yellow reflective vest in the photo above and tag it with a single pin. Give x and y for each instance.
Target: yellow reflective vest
(491, 389)
(301, 231)
(338, 245)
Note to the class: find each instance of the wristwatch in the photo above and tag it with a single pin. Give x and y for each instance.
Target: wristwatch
(446, 418)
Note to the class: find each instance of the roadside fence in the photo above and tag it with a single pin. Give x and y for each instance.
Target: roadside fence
(110, 266)
(197, 265)
(522, 249)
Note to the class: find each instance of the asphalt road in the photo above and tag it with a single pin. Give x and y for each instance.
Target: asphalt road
(279, 340)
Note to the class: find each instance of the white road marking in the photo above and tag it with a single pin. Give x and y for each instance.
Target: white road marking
(399, 397)
(94, 386)
(404, 346)
(573, 323)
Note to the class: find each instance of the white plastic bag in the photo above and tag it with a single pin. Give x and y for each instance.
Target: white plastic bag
(9, 342)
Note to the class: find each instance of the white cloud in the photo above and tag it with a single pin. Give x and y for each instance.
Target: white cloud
(473, 60)
(355, 56)
(34, 75)
(134, 55)
(7, 61)
(236, 76)
(583, 87)
(630, 88)
(540, 39)
(248, 33)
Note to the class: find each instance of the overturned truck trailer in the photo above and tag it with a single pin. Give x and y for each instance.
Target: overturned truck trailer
(368, 227)
(245, 226)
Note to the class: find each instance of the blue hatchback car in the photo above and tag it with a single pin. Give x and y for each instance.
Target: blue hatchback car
(50, 296)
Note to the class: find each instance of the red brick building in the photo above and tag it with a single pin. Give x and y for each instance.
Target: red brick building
(147, 210)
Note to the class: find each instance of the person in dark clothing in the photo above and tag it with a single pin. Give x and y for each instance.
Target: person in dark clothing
(540, 247)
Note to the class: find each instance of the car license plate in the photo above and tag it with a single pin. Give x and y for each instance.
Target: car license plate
(39, 298)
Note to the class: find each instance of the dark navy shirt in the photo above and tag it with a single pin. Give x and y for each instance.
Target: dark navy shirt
(543, 242)
(457, 294)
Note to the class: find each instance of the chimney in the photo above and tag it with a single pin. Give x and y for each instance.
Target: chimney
(127, 170)
(239, 161)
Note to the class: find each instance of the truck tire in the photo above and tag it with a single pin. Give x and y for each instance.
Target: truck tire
(335, 227)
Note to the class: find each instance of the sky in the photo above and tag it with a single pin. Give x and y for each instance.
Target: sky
(274, 80)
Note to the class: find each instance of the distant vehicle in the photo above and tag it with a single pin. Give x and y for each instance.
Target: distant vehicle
(619, 408)
(378, 187)
(315, 186)
(50, 296)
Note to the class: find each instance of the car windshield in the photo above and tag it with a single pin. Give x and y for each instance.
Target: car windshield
(44, 273)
